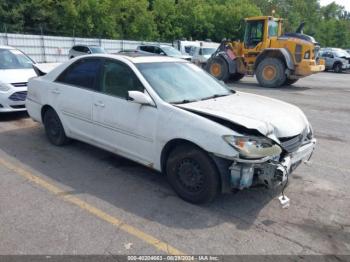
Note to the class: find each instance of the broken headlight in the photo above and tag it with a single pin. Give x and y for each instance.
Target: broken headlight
(253, 147)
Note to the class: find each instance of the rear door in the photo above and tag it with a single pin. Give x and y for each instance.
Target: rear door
(122, 125)
(72, 96)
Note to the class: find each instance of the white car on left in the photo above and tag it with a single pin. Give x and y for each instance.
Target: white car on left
(15, 70)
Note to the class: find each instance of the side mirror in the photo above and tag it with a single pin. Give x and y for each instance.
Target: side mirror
(140, 98)
(89, 52)
(162, 53)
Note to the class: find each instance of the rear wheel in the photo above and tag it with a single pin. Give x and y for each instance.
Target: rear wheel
(290, 81)
(338, 68)
(271, 72)
(192, 174)
(218, 68)
(54, 129)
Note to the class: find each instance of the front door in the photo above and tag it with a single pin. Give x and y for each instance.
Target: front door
(125, 127)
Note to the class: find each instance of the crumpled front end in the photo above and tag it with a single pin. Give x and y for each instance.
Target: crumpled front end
(272, 171)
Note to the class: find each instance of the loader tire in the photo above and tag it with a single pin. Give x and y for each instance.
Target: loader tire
(271, 72)
(290, 81)
(218, 68)
(236, 77)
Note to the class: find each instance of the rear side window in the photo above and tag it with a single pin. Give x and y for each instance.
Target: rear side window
(85, 49)
(149, 49)
(78, 48)
(83, 73)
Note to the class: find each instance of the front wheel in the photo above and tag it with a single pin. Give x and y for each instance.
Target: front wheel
(54, 129)
(271, 72)
(338, 68)
(192, 174)
(218, 68)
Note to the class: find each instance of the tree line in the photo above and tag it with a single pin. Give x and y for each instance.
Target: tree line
(167, 20)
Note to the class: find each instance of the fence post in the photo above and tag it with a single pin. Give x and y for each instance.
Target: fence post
(43, 43)
(73, 36)
(6, 36)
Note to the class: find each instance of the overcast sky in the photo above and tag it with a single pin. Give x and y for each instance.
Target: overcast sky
(345, 3)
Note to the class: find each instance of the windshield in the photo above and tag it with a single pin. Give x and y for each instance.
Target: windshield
(14, 59)
(273, 28)
(97, 50)
(181, 82)
(171, 51)
(208, 51)
(341, 53)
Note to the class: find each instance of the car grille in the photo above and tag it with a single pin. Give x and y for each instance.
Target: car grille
(19, 84)
(19, 96)
(291, 144)
(18, 107)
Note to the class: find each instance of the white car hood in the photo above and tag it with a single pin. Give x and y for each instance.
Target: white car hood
(10, 76)
(271, 117)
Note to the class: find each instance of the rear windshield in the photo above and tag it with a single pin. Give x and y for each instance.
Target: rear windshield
(14, 59)
(97, 50)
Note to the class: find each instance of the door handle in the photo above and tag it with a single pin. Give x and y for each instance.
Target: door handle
(56, 91)
(100, 104)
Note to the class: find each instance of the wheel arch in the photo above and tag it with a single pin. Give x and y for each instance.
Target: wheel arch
(169, 146)
(337, 63)
(222, 165)
(231, 64)
(281, 53)
(44, 110)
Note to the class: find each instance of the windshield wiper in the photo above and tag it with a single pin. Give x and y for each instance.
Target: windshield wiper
(185, 101)
(214, 96)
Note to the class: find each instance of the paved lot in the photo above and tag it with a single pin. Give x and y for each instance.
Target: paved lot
(81, 200)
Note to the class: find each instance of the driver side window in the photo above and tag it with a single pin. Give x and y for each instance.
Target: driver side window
(117, 79)
(254, 33)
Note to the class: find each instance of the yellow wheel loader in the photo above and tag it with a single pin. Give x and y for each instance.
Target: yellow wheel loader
(276, 59)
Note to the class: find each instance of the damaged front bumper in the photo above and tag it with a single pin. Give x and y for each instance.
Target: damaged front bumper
(245, 173)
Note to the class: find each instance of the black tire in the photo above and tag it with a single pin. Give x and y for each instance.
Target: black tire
(218, 68)
(271, 72)
(192, 174)
(54, 129)
(290, 81)
(338, 68)
(236, 77)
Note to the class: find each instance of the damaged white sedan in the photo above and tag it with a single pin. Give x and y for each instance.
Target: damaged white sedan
(171, 116)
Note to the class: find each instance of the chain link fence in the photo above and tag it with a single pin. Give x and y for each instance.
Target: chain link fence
(51, 49)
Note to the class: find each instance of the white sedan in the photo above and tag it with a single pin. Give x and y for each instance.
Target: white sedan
(15, 70)
(171, 116)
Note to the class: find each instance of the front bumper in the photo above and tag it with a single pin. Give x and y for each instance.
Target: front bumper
(269, 172)
(308, 67)
(10, 102)
(346, 66)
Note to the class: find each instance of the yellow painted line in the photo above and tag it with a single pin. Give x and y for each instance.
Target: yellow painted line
(91, 209)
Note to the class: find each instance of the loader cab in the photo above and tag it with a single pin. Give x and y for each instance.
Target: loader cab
(254, 33)
(259, 29)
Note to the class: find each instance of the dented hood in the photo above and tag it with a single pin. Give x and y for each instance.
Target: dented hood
(270, 117)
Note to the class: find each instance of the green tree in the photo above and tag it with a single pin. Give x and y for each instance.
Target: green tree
(134, 20)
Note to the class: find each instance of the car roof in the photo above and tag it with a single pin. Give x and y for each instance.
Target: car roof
(160, 45)
(139, 58)
(86, 45)
(6, 47)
